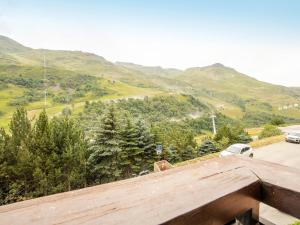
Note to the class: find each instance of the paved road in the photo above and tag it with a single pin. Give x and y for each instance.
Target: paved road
(290, 128)
(283, 153)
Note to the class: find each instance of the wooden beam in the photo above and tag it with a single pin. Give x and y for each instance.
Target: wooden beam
(280, 185)
(210, 192)
(199, 194)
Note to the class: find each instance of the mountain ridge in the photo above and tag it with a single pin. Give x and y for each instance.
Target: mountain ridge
(216, 84)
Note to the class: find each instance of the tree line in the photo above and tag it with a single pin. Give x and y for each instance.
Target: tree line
(104, 144)
(48, 156)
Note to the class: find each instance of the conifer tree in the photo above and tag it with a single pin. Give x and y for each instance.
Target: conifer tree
(131, 154)
(20, 128)
(5, 163)
(174, 155)
(18, 156)
(69, 153)
(188, 153)
(147, 145)
(42, 146)
(103, 160)
(207, 147)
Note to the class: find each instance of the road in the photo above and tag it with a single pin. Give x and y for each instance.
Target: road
(283, 153)
(290, 128)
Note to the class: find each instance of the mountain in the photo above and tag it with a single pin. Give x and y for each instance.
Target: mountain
(151, 70)
(87, 76)
(219, 79)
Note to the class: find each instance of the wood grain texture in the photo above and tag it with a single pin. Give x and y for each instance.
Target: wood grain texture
(211, 192)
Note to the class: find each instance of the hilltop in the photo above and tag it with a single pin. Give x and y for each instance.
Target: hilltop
(76, 76)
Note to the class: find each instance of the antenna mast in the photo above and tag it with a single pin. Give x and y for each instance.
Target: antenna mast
(45, 84)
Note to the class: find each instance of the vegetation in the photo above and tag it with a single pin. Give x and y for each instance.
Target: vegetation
(40, 159)
(228, 135)
(266, 141)
(105, 122)
(269, 131)
(74, 77)
(256, 119)
(208, 146)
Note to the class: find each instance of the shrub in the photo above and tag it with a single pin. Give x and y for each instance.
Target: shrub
(223, 143)
(244, 138)
(18, 102)
(63, 98)
(269, 131)
(277, 121)
(227, 135)
(208, 146)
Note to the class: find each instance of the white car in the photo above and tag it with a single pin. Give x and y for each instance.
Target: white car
(238, 149)
(293, 137)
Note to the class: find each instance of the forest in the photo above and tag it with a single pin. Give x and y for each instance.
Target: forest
(106, 142)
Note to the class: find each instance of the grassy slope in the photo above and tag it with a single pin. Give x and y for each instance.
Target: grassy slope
(220, 79)
(120, 90)
(17, 60)
(221, 83)
(216, 84)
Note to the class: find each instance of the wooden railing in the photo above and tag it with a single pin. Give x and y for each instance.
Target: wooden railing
(216, 191)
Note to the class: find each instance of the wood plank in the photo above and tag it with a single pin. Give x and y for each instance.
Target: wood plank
(280, 185)
(214, 191)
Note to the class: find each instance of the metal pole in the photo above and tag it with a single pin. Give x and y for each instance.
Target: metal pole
(214, 124)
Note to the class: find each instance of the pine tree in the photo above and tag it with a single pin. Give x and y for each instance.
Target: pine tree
(69, 154)
(147, 146)
(188, 153)
(207, 147)
(103, 160)
(20, 128)
(42, 146)
(131, 154)
(18, 156)
(174, 156)
(4, 166)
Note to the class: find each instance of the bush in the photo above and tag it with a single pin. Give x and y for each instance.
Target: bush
(277, 121)
(244, 138)
(208, 146)
(269, 131)
(18, 102)
(63, 98)
(228, 135)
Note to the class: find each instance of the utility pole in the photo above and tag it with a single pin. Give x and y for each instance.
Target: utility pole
(45, 84)
(214, 124)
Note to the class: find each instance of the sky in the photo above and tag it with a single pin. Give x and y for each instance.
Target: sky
(260, 38)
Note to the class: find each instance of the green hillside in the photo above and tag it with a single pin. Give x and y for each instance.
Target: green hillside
(74, 77)
(151, 71)
(227, 88)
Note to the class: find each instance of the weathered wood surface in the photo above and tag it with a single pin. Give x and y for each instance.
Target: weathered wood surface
(280, 185)
(211, 192)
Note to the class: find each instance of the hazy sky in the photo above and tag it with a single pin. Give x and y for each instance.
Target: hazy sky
(258, 37)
